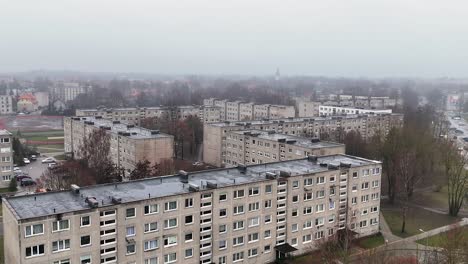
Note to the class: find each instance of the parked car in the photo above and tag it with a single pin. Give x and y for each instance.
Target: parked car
(456, 118)
(33, 158)
(27, 182)
(48, 160)
(26, 161)
(19, 178)
(465, 139)
(458, 131)
(52, 164)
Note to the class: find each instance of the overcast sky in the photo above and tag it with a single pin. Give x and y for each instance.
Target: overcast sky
(373, 38)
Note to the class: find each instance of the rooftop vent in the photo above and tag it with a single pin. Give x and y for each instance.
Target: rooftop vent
(281, 140)
(291, 141)
(92, 202)
(89, 122)
(183, 175)
(98, 117)
(242, 168)
(116, 200)
(315, 140)
(247, 133)
(76, 118)
(312, 158)
(211, 185)
(116, 122)
(75, 188)
(284, 174)
(130, 126)
(333, 166)
(194, 187)
(154, 132)
(322, 164)
(270, 175)
(345, 164)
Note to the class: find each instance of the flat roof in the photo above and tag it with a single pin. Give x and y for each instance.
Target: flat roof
(290, 139)
(134, 132)
(297, 119)
(45, 204)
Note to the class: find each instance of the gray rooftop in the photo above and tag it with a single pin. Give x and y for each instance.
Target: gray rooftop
(132, 131)
(4, 132)
(290, 139)
(44, 204)
(141, 108)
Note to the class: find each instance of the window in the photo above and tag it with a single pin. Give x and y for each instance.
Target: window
(320, 194)
(85, 221)
(374, 209)
(170, 241)
(238, 209)
(222, 212)
(254, 221)
(365, 211)
(252, 237)
(222, 244)
(151, 227)
(188, 202)
(130, 231)
(318, 235)
(319, 221)
(355, 174)
(365, 185)
(33, 230)
(365, 198)
(308, 181)
(306, 238)
(237, 256)
(295, 198)
(319, 208)
(267, 234)
(131, 248)
(295, 184)
(375, 196)
(63, 261)
(85, 240)
(223, 197)
(308, 196)
(222, 228)
(60, 245)
(354, 200)
(170, 223)
(170, 206)
(254, 206)
(222, 260)
(237, 241)
(363, 223)
(373, 221)
(188, 219)
(268, 188)
(169, 258)
(130, 212)
(307, 224)
(354, 188)
(238, 225)
(267, 219)
(321, 180)
(376, 171)
(307, 210)
(151, 209)
(35, 251)
(366, 172)
(238, 194)
(60, 225)
(294, 212)
(294, 227)
(153, 260)
(268, 204)
(332, 178)
(150, 244)
(375, 183)
(254, 191)
(107, 213)
(331, 218)
(189, 253)
(85, 259)
(252, 252)
(188, 237)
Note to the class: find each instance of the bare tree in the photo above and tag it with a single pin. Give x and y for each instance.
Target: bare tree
(65, 174)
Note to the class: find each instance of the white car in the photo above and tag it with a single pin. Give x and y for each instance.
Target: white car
(26, 161)
(48, 160)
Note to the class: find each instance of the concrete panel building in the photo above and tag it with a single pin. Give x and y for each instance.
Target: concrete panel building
(327, 110)
(128, 144)
(252, 214)
(307, 108)
(248, 147)
(6, 105)
(6, 158)
(214, 134)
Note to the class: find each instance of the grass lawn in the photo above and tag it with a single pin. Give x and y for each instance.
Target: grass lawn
(416, 219)
(50, 133)
(60, 157)
(440, 239)
(50, 148)
(4, 190)
(435, 199)
(371, 241)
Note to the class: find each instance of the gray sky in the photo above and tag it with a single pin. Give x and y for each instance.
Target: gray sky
(374, 38)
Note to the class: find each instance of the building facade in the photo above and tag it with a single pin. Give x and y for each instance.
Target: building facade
(214, 134)
(326, 110)
(247, 147)
(128, 144)
(6, 105)
(253, 214)
(67, 91)
(6, 158)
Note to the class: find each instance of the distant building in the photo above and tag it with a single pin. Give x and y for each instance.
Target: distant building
(67, 91)
(42, 99)
(247, 147)
(325, 110)
(6, 105)
(27, 103)
(6, 158)
(129, 144)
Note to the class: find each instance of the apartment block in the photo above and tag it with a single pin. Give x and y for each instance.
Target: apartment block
(129, 144)
(6, 105)
(249, 214)
(247, 147)
(6, 158)
(326, 110)
(67, 91)
(307, 108)
(215, 134)
(134, 115)
(211, 114)
(237, 110)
